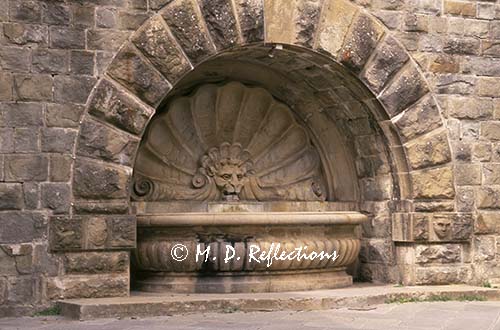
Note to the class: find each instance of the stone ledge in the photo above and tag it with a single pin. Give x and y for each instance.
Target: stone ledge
(141, 304)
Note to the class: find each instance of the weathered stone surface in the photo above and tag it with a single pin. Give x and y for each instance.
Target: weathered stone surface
(65, 233)
(403, 91)
(251, 19)
(336, 19)
(221, 23)
(465, 46)
(60, 168)
(443, 254)
(429, 151)
(488, 198)
(113, 207)
(462, 227)
(25, 11)
(31, 191)
(56, 197)
(95, 263)
(491, 174)
(67, 38)
(82, 62)
(99, 141)
(470, 108)
(23, 34)
(131, 20)
(105, 17)
(441, 275)
(21, 114)
(459, 8)
(420, 226)
(491, 130)
(94, 180)
(26, 168)
(361, 41)
(187, 27)
(11, 196)
(21, 290)
(73, 89)
(377, 251)
(488, 87)
(50, 61)
(96, 286)
(61, 140)
(116, 107)
(484, 248)
(133, 72)
(434, 206)
(15, 59)
(106, 39)
(434, 183)
(6, 86)
(466, 199)
(55, 13)
(21, 227)
(26, 140)
(279, 21)
(307, 22)
(123, 232)
(83, 16)
(487, 223)
(63, 115)
(385, 63)
(156, 42)
(33, 87)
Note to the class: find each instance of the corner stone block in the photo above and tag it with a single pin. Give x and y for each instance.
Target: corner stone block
(109, 232)
(96, 262)
(158, 45)
(251, 19)
(360, 42)
(335, 22)
(96, 286)
(433, 183)
(429, 151)
(130, 70)
(407, 88)
(97, 180)
(186, 25)
(221, 22)
(102, 142)
(65, 233)
(386, 62)
(116, 107)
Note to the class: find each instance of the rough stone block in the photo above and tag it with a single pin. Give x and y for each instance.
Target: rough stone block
(63, 115)
(21, 290)
(118, 108)
(462, 227)
(280, 21)
(65, 233)
(26, 140)
(26, 168)
(60, 140)
(73, 89)
(251, 19)
(429, 150)
(221, 22)
(15, 59)
(491, 174)
(106, 39)
(131, 20)
(462, 46)
(187, 27)
(129, 69)
(484, 249)
(11, 196)
(469, 108)
(67, 38)
(360, 42)
(105, 17)
(93, 180)
(33, 87)
(487, 223)
(96, 286)
(442, 254)
(6, 140)
(99, 141)
(488, 86)
(50, 61)
(106, 207)
(488, 198)
(82, 62)
(155, 41)
(459, 8)
(96, 262)
(25, 11)
(158, 4)
(56, 197)
(491, 130)
(31, 191)
(21, 227)
(433, 183)
(21, 114)
(385, 63)
(5, 86)
(26, 35)
(123, 232)
(83, 16)
(55, 13)
(466, 199)
(60, 168)
(441, 275)
(405, 90)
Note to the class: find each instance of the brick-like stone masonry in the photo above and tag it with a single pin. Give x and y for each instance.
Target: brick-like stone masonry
(66, 159)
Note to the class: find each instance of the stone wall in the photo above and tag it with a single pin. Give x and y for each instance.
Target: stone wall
(53, 53)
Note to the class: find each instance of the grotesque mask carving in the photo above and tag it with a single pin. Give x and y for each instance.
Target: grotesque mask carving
(230, 167)
(442, 228)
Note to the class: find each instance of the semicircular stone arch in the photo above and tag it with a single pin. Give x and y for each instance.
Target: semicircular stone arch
(380, 102)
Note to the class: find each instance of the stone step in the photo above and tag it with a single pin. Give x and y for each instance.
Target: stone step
(141, 304)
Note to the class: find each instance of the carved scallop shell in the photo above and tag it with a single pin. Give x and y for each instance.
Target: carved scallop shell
(227, 142)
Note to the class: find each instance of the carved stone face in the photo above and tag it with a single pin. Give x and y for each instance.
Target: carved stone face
(442, 228)
(230, 179)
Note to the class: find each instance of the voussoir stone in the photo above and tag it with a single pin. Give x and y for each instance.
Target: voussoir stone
(360, 42)
(251, 19)
(119, 109)
(96, 180)
(187, 27)
(433, 183)
(388, 59)
(404, 90)
(429, 151)
(221, 22)
(158, 45)
(130, 70)
(99, 141)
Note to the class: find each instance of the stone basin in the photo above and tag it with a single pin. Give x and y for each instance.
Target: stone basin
(244, 247)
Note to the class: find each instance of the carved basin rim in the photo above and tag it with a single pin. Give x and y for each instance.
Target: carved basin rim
(250, 218)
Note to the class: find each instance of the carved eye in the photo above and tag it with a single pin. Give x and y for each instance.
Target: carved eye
(240, 176)
(226, 176)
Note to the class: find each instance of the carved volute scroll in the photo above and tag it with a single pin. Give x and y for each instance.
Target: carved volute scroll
(227, 142)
